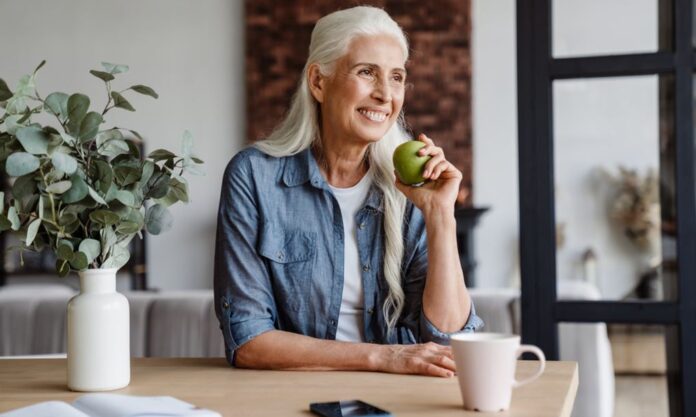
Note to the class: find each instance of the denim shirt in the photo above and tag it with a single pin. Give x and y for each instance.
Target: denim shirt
(279, 256)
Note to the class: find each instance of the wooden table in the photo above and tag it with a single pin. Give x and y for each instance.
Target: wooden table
(211, 383)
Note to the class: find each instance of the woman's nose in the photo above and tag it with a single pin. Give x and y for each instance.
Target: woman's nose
(382, 91)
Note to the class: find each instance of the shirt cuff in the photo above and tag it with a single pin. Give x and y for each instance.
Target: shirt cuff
(240, 333)
(430, 333)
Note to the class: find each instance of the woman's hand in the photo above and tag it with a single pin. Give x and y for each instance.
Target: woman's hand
(424, 359)
(442, 180)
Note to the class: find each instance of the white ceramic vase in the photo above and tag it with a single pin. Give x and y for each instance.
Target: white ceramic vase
(98, 334)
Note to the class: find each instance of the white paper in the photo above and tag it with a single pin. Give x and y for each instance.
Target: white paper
(117, 405)
(46, 409)
(113, 405)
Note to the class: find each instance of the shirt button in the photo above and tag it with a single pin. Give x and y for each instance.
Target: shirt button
(366, 267)
(362, 225)
(370, 310)
(332, 322)
(280, 255)
(225, 305)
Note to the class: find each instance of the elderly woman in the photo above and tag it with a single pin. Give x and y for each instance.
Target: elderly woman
(324, 260)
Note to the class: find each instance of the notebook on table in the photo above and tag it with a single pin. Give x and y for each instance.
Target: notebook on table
(113, 405)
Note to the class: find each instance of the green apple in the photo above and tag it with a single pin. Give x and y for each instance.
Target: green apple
(408, 163)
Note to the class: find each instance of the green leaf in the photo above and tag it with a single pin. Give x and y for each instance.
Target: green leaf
(66, 218)
(114, 148)
(191, 168)
(127, 173)
(57, 103)
(128, 227)
(23, 186)
(161, 155)
(186, 144)
(12, 124)
(197, 160)
(125, 197)
(13, 218)
(33, 140)
(114, 68)
(95, 196)
(105, 76)
(5, 92)
(63, 267)
(180, 190)
(148, 170)
(158, 219)
(104, 217)
(40, 210)
(107, 135)
(143, 89)
(21, 163)
(121, 102)
(26, 86)
(5, 223)
(79, 261)
(118, 258)
(67, 138)
(105, 175)
(78, 104)
(39, 66)
(158, 185)
(108, 240)
(90, 126)
(91, 248)
(32, 230)
(77, 191)
(64, 250)
(59, 187)
(64, 162)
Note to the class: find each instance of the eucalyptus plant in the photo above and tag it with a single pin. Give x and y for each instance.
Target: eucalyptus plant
(79, 188)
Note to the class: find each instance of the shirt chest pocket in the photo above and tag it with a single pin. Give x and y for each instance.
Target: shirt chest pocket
(290, 256)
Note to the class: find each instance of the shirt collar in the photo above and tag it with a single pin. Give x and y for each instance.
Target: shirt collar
(302, 167)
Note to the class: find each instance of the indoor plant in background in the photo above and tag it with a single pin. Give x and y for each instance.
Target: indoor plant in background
(83, 191)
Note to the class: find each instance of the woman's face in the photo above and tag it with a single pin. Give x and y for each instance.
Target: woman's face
(364, 96)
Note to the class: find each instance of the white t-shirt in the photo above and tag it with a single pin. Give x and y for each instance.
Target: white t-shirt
(350, 319)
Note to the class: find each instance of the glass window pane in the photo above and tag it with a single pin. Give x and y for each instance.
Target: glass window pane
(602, 27)
(623, 368)
(613, 170)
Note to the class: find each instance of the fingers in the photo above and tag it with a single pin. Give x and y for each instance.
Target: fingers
(437, 165)
(438, 360)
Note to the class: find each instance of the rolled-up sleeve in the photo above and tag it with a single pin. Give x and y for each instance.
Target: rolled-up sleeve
(244, 301)
(416, 268)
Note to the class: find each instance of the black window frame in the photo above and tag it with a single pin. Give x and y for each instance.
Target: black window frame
(541, 311)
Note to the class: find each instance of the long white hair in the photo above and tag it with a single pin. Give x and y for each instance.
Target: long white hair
(300, 129)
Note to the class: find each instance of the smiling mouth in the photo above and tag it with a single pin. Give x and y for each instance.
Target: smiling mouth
(374, 116)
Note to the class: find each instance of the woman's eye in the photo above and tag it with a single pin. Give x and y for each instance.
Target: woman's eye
(398, 78)
(365, 71)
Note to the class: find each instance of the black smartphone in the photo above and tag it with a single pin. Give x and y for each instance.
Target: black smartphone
(352, 408)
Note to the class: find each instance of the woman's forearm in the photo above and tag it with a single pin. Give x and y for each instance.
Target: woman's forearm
(446, 301)
(278, 349)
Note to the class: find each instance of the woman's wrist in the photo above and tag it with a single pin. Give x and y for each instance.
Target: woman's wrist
(437, 215)
(375, 357)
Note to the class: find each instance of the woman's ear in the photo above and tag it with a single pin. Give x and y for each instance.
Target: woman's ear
(316, 82)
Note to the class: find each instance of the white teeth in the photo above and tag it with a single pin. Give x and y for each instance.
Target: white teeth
(374, 116)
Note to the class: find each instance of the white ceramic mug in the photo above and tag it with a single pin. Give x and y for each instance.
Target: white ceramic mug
(486, 368)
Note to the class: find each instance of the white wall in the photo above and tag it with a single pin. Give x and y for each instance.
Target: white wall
(190, 52)
(598, 123)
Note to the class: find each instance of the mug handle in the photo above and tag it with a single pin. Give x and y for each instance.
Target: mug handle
(542, 359)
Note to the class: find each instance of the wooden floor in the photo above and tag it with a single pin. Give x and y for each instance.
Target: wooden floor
(641, 396)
